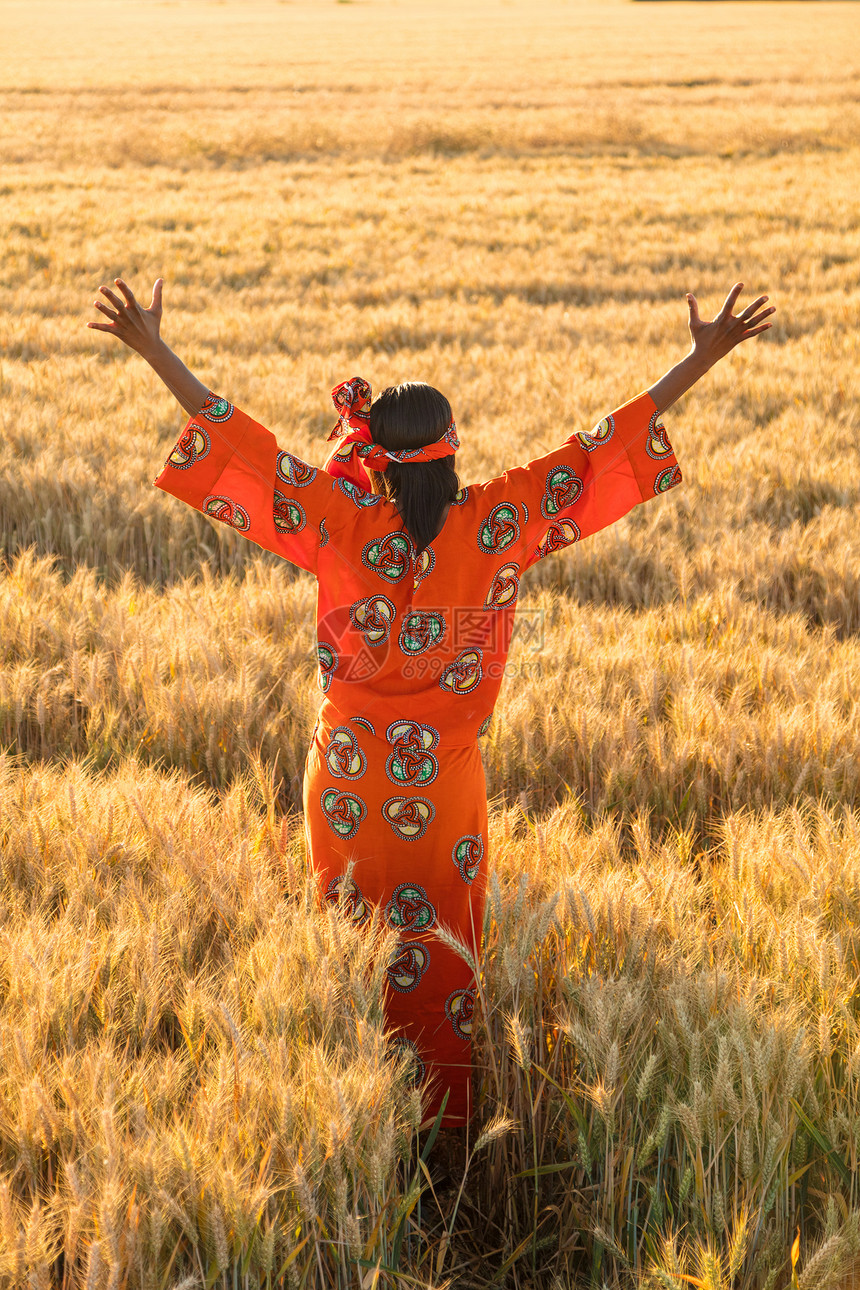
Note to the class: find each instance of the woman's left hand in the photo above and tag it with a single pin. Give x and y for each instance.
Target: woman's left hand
(135, 326)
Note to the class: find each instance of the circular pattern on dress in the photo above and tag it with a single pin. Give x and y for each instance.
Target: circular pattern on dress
(343, 756)
(500, 528)
(324, 536)
(667, 479)
(485, 725)
(363, 721)
(409, 816)
(412, 763)
(420, 630)
(657, 443)
(561, 533)
(373, 616)
(422, 564)
(505, 587)
(328, 660)
(464, 674)
(459, 497)
(227, 511)
(563, 487)
(409, 908)
(346, 893)
(602, 433)
(289, 516)
(400, 1044)
(467, 855)
(343, 811)
(390, 556)
(459, 1009)
(409, 962)
(405, 727)
(293, 471)
(215, 409)
(193, 445)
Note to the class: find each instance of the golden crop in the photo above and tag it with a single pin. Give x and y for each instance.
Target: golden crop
(509, 200)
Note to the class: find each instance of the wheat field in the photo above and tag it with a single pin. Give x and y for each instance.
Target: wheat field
(508, 199)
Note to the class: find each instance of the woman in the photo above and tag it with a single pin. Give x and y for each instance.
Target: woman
(418, 581)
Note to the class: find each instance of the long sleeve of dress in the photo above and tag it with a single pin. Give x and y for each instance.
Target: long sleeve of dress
(230, 467)
(590, 481)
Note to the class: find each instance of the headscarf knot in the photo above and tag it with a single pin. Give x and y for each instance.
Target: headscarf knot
(355, 452)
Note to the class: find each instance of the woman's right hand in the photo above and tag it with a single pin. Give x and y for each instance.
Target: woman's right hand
(713, 340)
(135, 326)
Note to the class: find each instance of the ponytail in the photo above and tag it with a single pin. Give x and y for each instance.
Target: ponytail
(412, 415)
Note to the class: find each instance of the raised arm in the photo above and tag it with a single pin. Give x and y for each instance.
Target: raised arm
(711, 342)
(595, 477)
(140, 329)
(224, 463)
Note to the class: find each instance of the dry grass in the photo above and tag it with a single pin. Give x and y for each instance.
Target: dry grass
(683, 711)
(507, 200)
(195, 1073)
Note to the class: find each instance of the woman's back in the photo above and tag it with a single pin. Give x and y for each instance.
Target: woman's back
(427, 631)
(406, 633)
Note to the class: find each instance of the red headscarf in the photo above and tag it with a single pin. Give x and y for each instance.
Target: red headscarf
(355, 451)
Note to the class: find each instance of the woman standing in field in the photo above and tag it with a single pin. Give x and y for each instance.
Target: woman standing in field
(418, 582)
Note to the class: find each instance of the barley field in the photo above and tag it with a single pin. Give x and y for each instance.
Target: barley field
(508, 199)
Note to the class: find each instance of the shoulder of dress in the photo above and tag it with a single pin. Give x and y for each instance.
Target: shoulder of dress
(469, 494)
(365, 515)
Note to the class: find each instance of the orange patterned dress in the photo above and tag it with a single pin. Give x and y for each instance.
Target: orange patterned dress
(412, 649)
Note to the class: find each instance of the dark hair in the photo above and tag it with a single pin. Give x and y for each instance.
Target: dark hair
(412, 415)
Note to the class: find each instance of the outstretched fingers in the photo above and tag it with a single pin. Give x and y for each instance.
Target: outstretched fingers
(759, 318)
(115, 314)
(126, 291)
(730, 300)
(112, 297)
(126, 319)
(747, 313)
(755, 331)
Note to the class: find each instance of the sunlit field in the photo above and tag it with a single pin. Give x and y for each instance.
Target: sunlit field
(508, 200)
